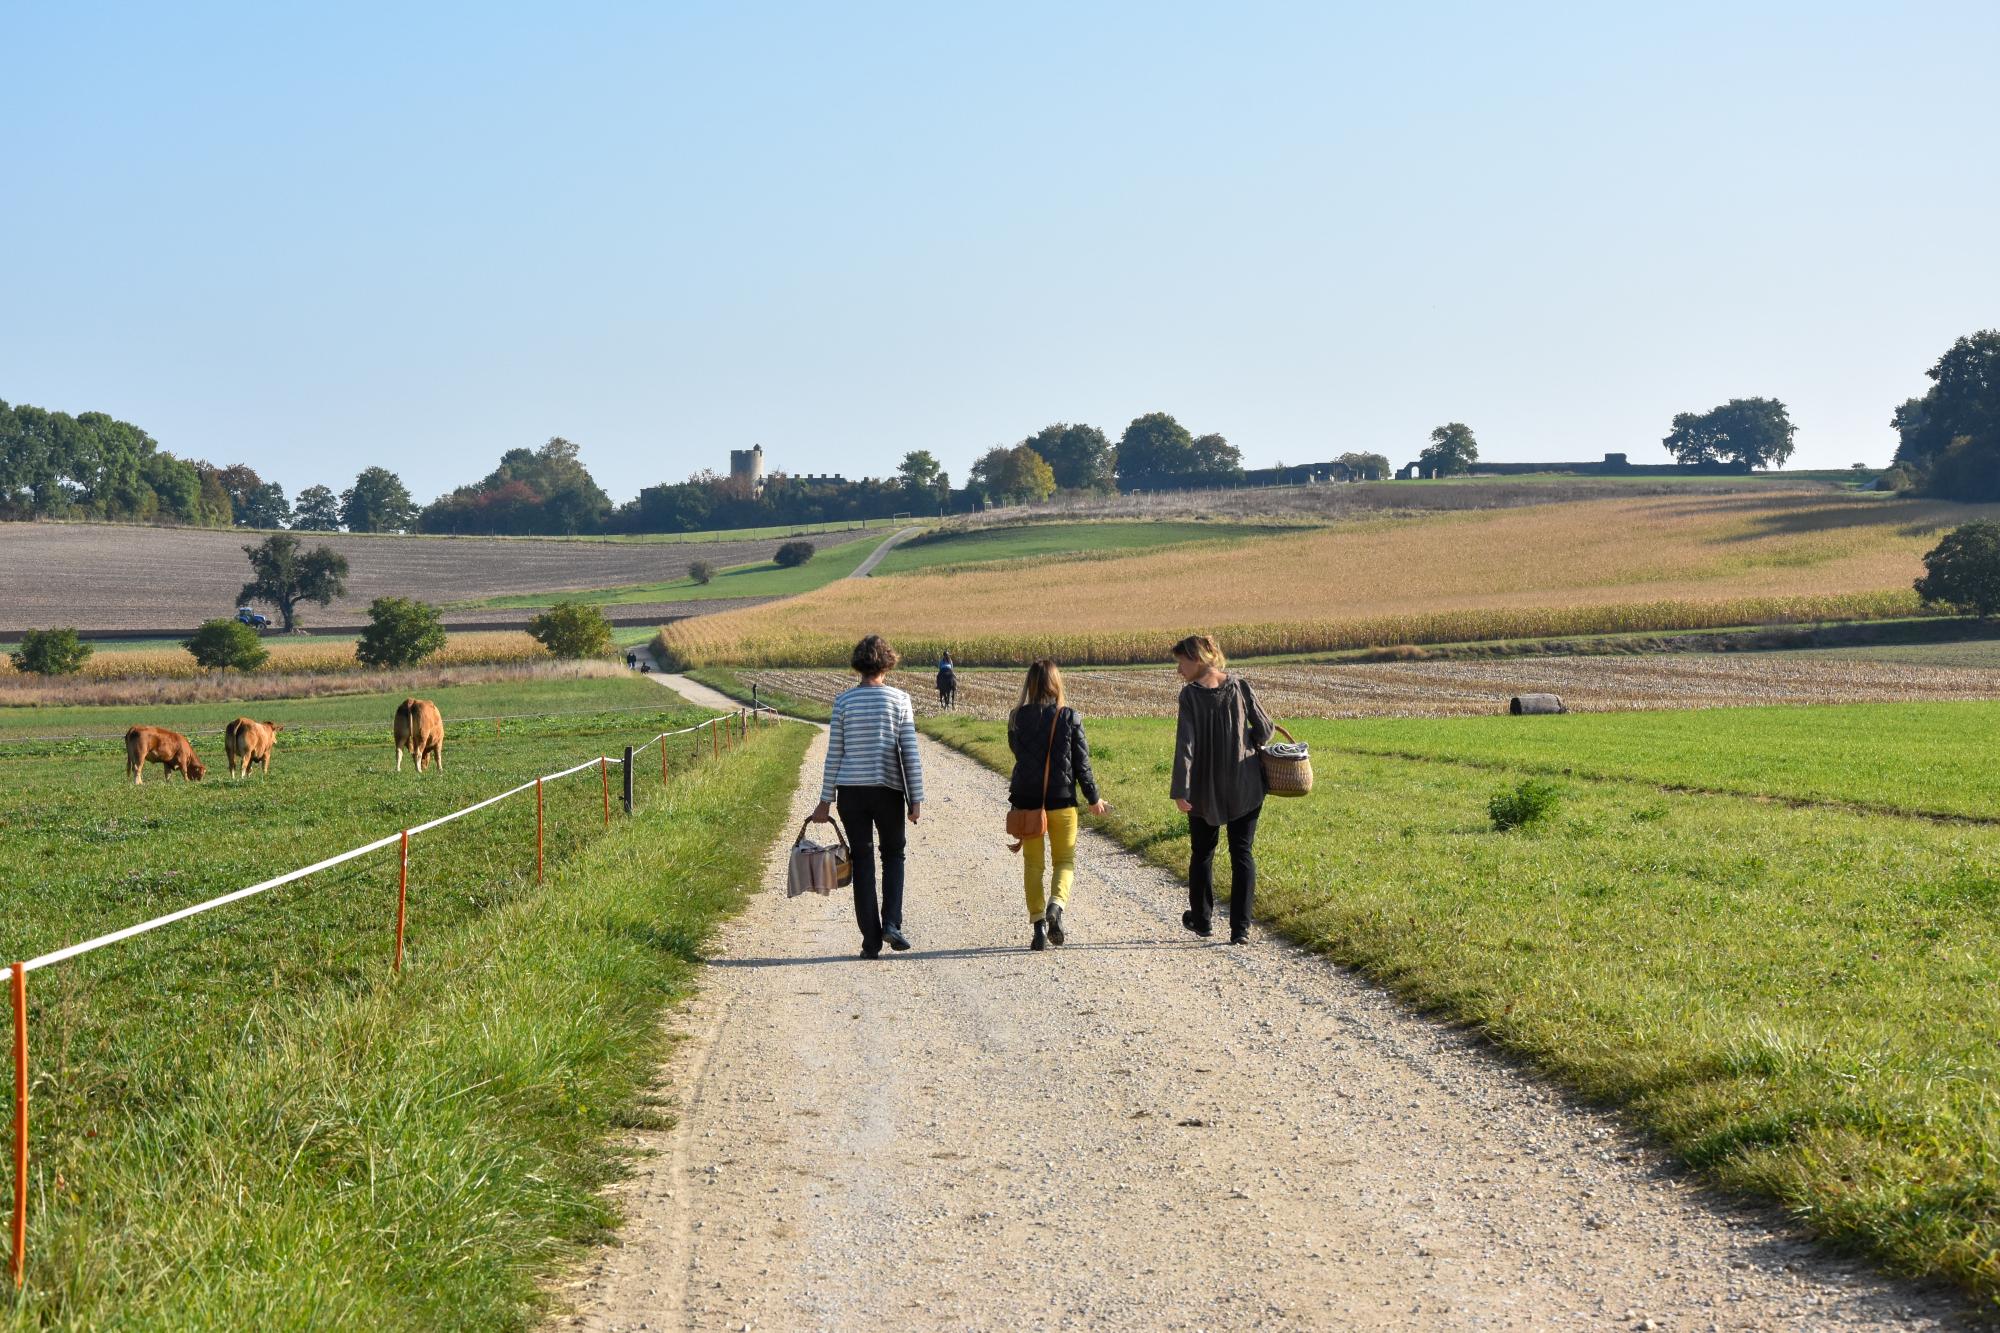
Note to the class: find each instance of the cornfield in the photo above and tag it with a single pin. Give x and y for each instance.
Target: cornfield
(1653, 563)
(303, 656)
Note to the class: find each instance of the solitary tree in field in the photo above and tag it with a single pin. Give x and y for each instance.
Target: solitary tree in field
(317, 509)
(1452, 450)
(1963, 570)
(793, 554)
(50, 652)
(284, 578)
(222, 644)
(572, 630)
(701, 571)
(1749, 432)
(401, 632)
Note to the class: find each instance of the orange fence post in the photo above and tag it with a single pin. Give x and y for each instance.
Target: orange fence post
(538, 830)
(604, 776)
(19, 1255)
(402, 895)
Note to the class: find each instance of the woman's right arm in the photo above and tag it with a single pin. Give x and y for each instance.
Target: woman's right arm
(834, 750)
(1183, 755)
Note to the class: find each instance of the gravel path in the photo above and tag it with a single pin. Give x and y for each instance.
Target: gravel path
(1139, 1130)
(867, 567)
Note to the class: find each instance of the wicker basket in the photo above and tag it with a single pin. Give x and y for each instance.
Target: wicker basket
(1288, 768)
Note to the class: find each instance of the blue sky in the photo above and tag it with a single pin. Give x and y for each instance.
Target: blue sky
(319, 239)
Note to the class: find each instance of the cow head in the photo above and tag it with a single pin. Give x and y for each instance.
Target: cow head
(194, 768)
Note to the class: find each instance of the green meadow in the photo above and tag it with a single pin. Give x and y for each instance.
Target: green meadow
(245, 1119)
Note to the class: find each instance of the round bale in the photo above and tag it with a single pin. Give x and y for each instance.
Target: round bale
(1531, 704)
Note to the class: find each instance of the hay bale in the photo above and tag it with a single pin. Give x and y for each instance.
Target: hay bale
(1531, 704)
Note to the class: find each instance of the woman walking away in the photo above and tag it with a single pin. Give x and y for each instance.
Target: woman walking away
(1218, 781)
(873, 766)
(1051, 764)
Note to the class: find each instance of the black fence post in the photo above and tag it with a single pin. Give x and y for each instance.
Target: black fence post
(628, 779)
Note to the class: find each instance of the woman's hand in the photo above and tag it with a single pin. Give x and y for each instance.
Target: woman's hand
(916, 808)
(822, 813)
(1101, 808)
(1186, 807)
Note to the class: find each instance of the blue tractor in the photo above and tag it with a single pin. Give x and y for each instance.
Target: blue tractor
(252, 619)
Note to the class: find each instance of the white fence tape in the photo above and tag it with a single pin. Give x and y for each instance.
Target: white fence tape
(88, 946)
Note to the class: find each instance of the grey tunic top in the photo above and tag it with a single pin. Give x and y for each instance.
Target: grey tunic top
(1216, 767)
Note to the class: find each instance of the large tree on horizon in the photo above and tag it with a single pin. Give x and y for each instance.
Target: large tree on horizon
(1748, 432)
(377, 502)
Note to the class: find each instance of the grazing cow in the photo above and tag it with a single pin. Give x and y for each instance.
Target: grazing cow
(169, 747)
(420, 730)
(248, 743)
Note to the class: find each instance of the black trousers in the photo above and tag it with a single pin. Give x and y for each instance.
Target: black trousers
(1202, 837)
(873, 817)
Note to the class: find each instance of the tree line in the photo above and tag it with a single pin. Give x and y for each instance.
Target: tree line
(53, 465)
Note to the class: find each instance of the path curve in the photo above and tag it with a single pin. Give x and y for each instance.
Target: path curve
(1140, 1130)
(867, 567)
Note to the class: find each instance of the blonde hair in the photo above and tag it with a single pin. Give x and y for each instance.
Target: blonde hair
(1043, 685)
(1201, 648)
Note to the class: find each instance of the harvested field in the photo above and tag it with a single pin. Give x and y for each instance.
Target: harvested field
(110, 577)
(1596, 566)
(1459, 689)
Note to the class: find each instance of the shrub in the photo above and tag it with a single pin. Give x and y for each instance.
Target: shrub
(1963, 570)
(701, 571)
(401, 633)
(50, 652)
(793, 554)
(222, 644)
(1524, 806)
(572, 630)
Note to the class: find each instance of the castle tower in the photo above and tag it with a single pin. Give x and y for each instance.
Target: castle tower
(747, 466)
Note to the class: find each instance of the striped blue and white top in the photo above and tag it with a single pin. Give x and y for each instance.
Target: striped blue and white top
(872, 742)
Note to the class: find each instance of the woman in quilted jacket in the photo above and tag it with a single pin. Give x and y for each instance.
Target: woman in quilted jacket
(1051, 766)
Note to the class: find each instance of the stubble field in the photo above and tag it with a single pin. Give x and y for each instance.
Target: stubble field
(1597, 566)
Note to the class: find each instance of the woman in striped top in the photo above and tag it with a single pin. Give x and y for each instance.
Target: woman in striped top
(872, 766)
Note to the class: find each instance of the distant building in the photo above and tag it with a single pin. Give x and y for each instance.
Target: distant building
(1614, 465)
(746, 466)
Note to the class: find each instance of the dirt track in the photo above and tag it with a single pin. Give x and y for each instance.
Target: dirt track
(1140, 1130)
(115, 577)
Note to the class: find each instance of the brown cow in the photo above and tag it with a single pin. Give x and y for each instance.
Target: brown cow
(169, 747)
(420, 730)
(248, 743)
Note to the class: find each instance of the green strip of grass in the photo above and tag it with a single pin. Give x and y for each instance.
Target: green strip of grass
(244, 1121)
(724, 681)
(1801, 1001)
(1918, 758)
(1043, 540)
(762, 579)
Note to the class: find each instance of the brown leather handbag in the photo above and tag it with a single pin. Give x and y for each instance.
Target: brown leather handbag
(1026, 825)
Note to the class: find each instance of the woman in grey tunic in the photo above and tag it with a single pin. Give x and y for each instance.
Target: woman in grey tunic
(1218, 781)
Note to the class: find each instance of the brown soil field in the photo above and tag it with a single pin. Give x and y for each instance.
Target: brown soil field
(115, 577)
(1457, 689)
(1589, 566)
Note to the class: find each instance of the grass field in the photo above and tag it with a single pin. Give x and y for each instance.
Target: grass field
(1599, 566)
(761, 578)
(243, 1120)
(953, 548)
(1801, 1000)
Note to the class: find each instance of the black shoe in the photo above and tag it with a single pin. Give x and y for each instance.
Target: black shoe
(871, 949)
(1055, 923)
(1201, 928)
(894, 935)
(1041, 941)
(1239, 937)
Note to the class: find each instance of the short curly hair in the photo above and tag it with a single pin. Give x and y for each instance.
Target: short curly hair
(874, 657)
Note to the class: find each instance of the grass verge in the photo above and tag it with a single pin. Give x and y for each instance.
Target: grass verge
(1801, 1001)
(724, 681)
(245, 1120)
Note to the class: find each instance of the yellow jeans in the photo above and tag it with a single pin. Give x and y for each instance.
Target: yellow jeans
(1062, 844)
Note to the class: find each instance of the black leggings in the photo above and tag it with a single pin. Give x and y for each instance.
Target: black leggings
(874, 814)
(1202, 837)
